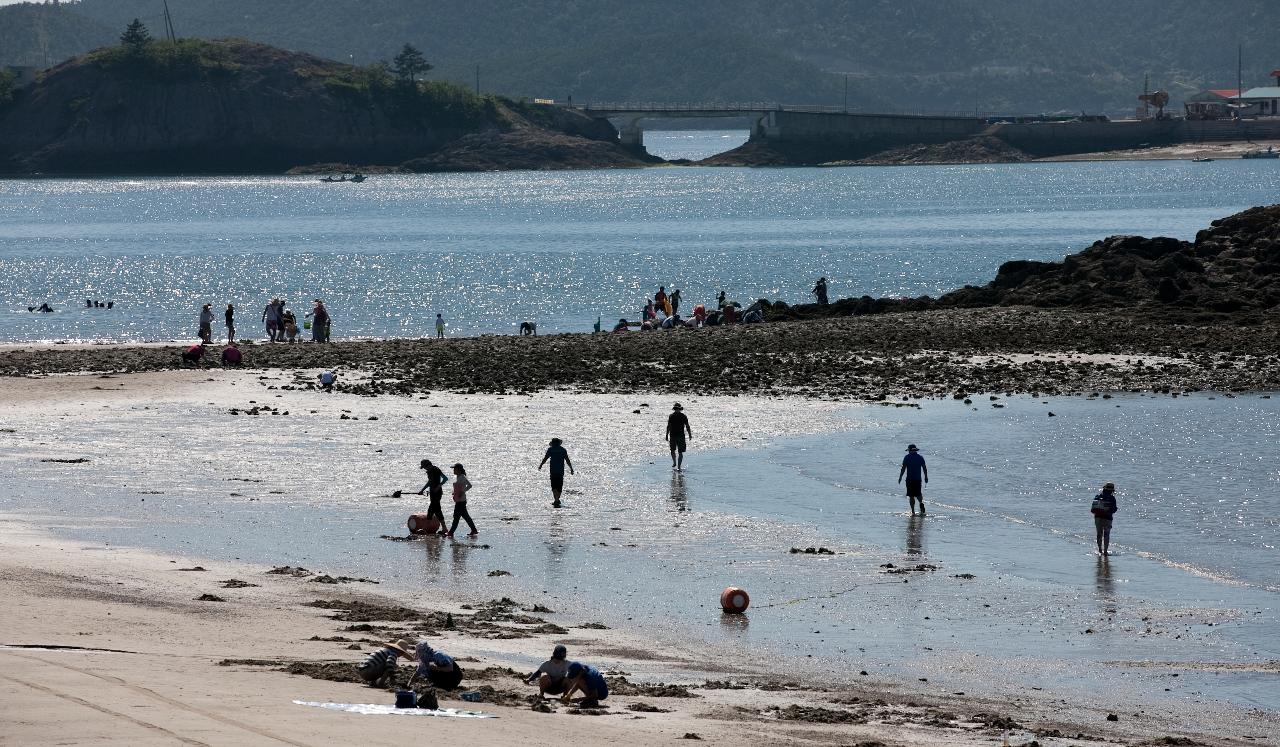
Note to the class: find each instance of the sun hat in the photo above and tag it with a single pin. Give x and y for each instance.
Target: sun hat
(556, 442)
(912, 447)
(560, 653)
(677, 406)
(1109, 486)
(403, 646)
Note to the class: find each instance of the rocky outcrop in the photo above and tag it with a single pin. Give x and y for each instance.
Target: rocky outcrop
(1231, 267)
(528, 149)
(983, 149)
(232, 106)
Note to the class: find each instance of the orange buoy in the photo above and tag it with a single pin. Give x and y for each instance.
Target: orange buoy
(734, 600)
(423, 524)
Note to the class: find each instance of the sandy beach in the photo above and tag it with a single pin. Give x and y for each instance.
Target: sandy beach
(109, 643)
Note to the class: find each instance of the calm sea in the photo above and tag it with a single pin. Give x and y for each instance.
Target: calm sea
(563, 249)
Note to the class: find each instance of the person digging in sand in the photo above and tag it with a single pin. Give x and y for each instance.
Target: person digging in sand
(379, 668)
(435, 491)
(460, 487)
(586, 679)
(552, 676)
(558, 457)
(1104, 510)
(193, 354)
(677, 427)
(914, 468)
(437, 667)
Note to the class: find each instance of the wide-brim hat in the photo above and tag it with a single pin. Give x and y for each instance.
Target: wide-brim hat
(677, 406)
(1109, 486)
(912, 447)
(556, 442)
(403, 646)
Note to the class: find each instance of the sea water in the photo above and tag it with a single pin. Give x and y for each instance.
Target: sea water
(563, 249)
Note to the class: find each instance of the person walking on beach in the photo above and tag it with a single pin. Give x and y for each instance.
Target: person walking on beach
(460, 487)
(230, 316)
(439, 326)
(914, 468)
(675, 301)
(1104, 510)
(206, 324)
(271, 318)
(435, 491)
(660, 299)
(820, 290)
(559, 457)
(677, 427)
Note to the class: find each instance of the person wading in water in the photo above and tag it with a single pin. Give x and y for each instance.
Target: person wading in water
(677, 427)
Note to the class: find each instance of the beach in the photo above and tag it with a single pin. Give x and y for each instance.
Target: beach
(115, 482)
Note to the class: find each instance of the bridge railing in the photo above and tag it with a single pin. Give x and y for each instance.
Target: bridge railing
(759, 107)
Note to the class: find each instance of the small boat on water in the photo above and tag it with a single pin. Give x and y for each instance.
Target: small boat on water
(1202, 160)
(1270, 152)
(345, 177)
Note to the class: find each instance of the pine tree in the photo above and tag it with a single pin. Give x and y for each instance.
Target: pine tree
(136, 36)
(409, 64)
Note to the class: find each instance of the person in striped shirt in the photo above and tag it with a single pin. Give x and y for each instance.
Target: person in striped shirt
(379, 668)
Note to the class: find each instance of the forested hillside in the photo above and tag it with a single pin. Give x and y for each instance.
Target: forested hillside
(971, 55)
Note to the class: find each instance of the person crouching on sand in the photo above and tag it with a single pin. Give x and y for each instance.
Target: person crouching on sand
(552, 676)
(437, 667)
(193, 354)
(460, 487)
(586, 679)
(435, 491)
(379, 668)
(1104, 510)
(231, 355)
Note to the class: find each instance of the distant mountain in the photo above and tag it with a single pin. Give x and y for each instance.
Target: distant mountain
(1025, 56)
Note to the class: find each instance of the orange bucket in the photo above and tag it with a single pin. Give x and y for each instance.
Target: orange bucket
(734, 600)
(423, 524)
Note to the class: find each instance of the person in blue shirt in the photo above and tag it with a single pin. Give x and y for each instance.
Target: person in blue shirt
(558, 457)
(437, 666)
(587, 680)
(914, 468)
(1104, 510)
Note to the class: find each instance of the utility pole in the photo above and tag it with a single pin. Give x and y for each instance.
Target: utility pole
(168, 24)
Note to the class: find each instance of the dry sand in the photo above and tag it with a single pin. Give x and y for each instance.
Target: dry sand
(1179, 152)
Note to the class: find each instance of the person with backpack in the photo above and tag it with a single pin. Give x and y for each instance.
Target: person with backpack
(1104, 509)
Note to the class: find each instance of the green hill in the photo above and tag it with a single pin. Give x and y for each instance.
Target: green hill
(935, 55)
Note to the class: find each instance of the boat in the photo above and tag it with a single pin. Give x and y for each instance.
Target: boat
(1270, 152)
(1202, 160)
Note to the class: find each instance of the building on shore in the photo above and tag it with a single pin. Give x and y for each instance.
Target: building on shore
(1263, 101)
(1214, 103)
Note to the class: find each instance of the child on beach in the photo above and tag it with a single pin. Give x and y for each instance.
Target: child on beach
(588, 680)
(193, 354)
(379, 668)
(460, 487)
(437, 667)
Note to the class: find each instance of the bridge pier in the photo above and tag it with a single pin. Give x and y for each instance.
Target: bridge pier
(631, 134)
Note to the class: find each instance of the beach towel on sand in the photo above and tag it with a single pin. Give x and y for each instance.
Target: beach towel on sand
(370, 709)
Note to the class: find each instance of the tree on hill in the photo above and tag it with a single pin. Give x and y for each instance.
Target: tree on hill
(136, 36)
(6, 86)
(409, 64)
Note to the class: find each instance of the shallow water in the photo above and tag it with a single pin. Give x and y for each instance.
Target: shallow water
(1191, 588)
(490, 250)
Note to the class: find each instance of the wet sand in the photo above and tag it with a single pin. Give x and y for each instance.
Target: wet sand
(183, 445)
(931, 354)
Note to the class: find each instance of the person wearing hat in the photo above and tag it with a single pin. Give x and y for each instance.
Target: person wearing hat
(1104, 510)
(677, 427)
(437, 666)
(552, 676)
(820, 290)
(586, 679)
(914, 468)
(435, 489)
(558, 457)
(379, 668)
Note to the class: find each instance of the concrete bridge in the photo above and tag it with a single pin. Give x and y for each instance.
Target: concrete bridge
(798, 124)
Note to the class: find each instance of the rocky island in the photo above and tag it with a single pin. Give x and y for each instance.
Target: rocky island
(233, 106)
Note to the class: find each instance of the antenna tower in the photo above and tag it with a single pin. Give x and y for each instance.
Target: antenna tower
(168, 24)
